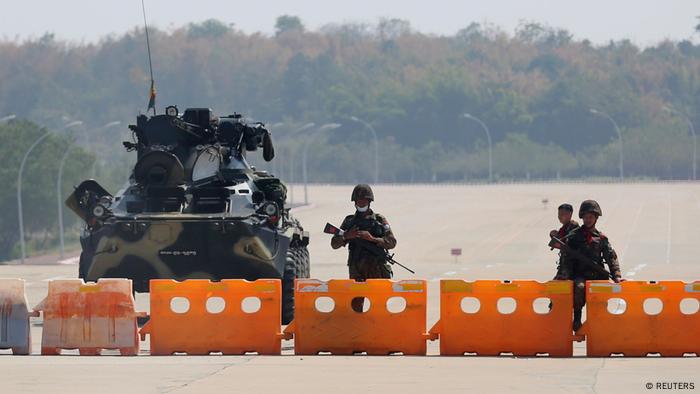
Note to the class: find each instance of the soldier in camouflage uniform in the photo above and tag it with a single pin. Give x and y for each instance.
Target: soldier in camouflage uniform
(592, 243)
(370, 226)
(568, 225)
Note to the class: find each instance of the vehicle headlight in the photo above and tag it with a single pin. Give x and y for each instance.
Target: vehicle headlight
(270, 209)
(98, 211)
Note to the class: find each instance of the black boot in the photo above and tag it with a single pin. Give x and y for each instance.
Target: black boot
(577, 320)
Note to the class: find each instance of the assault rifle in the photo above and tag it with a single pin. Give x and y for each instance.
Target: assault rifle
(581, 257)
(368, 246)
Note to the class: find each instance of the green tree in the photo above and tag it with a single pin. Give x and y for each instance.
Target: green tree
(286, 23)
(210, 28)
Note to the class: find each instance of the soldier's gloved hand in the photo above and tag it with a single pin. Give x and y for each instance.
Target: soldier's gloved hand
(618, 279)
(366, 236)
(553, 233)
(350, 234)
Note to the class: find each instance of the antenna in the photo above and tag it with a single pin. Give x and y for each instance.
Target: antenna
(152, 98)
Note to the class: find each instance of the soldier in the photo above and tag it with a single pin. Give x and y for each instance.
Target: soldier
(369, 226)
(568, 225)
(592, 244)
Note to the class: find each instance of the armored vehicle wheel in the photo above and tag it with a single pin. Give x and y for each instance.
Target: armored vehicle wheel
(297, 266)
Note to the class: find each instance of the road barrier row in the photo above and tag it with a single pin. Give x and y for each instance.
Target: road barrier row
(636, 318)
(492, 317)
(201, 317)
(376, 317)
(15, 332)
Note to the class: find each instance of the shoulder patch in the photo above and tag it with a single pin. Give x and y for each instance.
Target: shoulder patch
(385, 223)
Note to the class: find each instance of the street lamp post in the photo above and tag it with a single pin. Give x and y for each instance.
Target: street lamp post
(58, 195)
(488, 138)
(325, 127)
(20, 215)
(376, 146)
(692, 132)
(619, 135)
(19, 193)
(59, 182)
(93, 171)
(292, 161)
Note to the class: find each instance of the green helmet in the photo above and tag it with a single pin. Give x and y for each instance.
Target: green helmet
(590, 206)
(362, 191)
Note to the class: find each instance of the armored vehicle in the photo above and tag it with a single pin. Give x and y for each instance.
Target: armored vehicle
(193, 208)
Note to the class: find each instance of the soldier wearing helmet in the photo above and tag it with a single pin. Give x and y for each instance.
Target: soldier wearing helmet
(568, 225)
(594, 245)
(365, 224)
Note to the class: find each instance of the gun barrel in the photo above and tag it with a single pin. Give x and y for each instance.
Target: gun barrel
(368, 246)
(580, 257)
(392, 261)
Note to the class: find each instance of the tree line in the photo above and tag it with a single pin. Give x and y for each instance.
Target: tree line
(533, 89)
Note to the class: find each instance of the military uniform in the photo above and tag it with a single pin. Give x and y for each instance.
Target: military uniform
(362, 263)
(563, 234)
(595, 246)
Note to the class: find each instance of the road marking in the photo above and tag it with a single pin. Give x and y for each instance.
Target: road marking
(632, 231)
(56, 278)
(450, 273)
(69, 261)
(634, 270)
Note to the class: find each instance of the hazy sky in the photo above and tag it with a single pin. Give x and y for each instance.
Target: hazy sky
(643, 21)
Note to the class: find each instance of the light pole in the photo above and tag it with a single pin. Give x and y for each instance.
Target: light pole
(692, 132)
(488, 138)
(19, 193)
(376, 146)
(59, 183)
(20, 216)
(93, 171)
(619, 135)
(325, 127)
(58, 194)
(7, 118)
(292, 162)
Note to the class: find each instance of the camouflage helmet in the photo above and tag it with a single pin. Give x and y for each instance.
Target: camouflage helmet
(590, 206)
(362, 191)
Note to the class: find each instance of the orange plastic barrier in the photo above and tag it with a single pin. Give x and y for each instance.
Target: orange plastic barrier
(213, 319)
(483, 330)
(15, 332)
(341, 330)
(89, 317)
(614, 327)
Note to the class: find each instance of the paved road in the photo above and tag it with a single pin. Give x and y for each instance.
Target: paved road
(502, 230)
